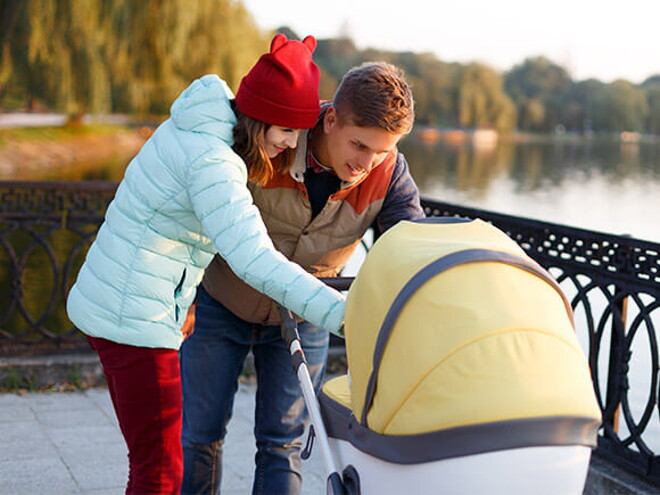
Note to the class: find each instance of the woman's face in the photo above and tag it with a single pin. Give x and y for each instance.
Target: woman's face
(277, 139)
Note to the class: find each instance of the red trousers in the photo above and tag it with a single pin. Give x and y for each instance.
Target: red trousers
(145, 387)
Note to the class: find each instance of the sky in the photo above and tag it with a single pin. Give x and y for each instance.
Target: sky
(603, 39)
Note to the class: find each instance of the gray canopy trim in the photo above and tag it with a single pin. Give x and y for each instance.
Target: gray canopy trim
(442, 220)
(460, 441)
(336, 417)
(475, 439)
(434, 268)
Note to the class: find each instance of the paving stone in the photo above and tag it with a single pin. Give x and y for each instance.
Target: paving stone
(72, 436)
(11, 399)
(101, 398)
(97, 468)
(60, 401)
(38, 475)
(21, 432)
(12, 412)
(26, 448)
(69, 418)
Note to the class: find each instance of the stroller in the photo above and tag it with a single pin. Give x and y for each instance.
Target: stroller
(464, 372)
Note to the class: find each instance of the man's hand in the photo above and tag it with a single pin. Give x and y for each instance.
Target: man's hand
(189, 325)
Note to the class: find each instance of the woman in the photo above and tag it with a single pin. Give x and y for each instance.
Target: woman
(184, 198)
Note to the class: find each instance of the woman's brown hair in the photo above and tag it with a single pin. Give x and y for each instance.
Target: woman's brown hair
(249, 137)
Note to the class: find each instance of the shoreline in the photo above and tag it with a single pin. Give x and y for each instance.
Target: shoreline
(76, 156)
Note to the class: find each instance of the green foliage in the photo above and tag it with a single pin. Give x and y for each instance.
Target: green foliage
(538, 87)
(179, 41)
(482, 103)
(14, 379)
(653, 99)
(621, 106)
(79, 56)
(93, 56)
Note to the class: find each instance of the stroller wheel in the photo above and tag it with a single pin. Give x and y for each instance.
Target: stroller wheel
(335, 485)
(351, 480)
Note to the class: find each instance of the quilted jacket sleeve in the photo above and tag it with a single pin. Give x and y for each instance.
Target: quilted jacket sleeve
(223, 204)
(402, 201)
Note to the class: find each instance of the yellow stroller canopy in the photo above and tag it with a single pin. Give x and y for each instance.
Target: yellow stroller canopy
(458, 343)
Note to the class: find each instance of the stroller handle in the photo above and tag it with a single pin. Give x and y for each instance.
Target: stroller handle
(335, 485)
(289, 328)
(339, 283)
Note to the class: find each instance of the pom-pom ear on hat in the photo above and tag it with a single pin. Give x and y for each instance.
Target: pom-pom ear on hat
(282, 88)
(277, 42)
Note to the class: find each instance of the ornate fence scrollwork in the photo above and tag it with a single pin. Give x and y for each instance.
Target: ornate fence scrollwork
(45, 230)
(612, 281)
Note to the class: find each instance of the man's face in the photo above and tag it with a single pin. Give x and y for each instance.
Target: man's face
(355, 151)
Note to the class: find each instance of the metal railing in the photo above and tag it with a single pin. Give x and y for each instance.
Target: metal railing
(45, 231)
(612, 281)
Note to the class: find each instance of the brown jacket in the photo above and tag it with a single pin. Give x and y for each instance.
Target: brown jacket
(321, 245)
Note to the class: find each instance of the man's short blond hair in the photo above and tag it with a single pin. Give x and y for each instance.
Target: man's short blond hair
(376, 94)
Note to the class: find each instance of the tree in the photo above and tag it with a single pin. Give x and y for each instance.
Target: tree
(162, 46)
(653, 99)
(482, 103)
(9, 14)
(580, 105)
(56, 51)
(538, 82)
(621, 106)
(652, 89)
(336, 56)
(435, 87)
(120, 55)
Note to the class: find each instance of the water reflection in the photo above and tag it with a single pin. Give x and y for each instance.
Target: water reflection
(600, 185)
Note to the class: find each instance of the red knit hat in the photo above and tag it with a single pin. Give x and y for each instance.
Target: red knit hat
(283, 86)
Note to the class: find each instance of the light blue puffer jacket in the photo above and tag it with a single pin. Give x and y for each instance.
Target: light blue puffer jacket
(184, 198)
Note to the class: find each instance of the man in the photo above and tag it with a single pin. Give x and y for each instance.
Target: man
(346, 177)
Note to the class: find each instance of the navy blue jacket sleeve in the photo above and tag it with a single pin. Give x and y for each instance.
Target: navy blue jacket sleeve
(401, 200)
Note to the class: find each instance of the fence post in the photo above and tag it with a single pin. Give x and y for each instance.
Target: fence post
(617, 365)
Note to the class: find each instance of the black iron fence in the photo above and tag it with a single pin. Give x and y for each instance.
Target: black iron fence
(612, 281)
(45, 231)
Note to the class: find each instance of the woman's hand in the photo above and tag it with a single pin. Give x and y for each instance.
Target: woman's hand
(189, 325)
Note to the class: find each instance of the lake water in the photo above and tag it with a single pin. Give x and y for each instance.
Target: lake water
(600, 185)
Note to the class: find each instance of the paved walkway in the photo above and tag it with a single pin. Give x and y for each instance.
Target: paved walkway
(69, 443)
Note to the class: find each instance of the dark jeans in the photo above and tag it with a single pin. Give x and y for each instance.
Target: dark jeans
(211, 361)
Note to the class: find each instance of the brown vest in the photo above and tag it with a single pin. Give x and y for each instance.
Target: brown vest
(322, 246)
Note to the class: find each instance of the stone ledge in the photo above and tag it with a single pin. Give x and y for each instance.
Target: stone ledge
(82, 370)
(605, 478)
(85, 370)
